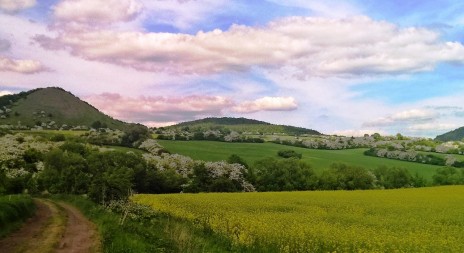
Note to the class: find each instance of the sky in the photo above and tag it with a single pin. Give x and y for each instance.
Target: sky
(346, 67)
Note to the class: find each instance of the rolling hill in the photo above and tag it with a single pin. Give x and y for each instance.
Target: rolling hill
(455, 135)
(242, 125)
(53, 107)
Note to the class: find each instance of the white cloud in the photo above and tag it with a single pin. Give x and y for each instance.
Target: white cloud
(21, 66)
(432, 126)
(267, 104)
(5, 92)
(307, 46)
(16, 5)
(159, 123)
(96, 12)
(413, 115)
(357, 133)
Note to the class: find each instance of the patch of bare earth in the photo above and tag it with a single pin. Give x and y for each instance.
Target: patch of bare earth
(55, 227)
(80, 235)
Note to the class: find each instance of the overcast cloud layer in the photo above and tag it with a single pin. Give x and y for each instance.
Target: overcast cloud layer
(341, 68)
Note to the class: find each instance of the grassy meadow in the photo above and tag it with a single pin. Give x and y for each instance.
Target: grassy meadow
(402, 220)
(317, 158)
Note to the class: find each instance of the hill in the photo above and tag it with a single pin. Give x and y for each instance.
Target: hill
(51, 107)
(242, 125)
(455, 135)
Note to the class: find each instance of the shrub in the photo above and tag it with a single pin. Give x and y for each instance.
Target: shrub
(289, 154)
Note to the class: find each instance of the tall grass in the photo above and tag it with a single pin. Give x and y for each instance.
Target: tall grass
(152, 233)
(14, 210)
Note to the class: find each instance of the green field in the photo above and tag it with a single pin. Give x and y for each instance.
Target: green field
(402, 220)
(317, 158)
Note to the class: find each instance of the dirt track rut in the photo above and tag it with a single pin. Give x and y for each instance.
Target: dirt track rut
(55, 227)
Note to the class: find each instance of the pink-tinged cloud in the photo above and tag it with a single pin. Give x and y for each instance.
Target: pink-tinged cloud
(159, 110)
(96, 12)
(21, 66)
(16, 5)
(305, 46)
(267, 104)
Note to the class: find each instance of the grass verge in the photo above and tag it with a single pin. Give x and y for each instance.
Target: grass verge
(14, 210)
(146, 232)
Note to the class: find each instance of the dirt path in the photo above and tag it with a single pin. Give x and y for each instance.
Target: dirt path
(55, 227)
(80, 235)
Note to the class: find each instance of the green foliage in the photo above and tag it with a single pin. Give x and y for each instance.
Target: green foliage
(77, 148)
(113, 174)
(97, 125)
(345, 177)
(449, 176)
(242, 125)
(32, 156)
(14, 210)
(393, 177)
(203, 181)
(284, 175)
(237, 159)
(65, 172)
(57, 104)
(377, 136)
(455, 135)
(289, 153)
(58, 137)
(135, 134)
(8, 100)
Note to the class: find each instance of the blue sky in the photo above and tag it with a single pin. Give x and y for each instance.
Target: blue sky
(340, 67)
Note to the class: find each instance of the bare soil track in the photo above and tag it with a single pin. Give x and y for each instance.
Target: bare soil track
(55, 227)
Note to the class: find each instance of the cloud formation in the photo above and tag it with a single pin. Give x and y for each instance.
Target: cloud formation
(96, 12)
(408, 116)
(432, 126)
(5, 92)
(4, 45)
(267, 104)
(159, 109)
(307, 46)
(21, 66)
(16, 5)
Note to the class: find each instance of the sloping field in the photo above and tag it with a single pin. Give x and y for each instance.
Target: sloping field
(402, 220)
(317, 158)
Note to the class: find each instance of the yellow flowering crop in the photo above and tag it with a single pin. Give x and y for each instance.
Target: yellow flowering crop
(403, 220)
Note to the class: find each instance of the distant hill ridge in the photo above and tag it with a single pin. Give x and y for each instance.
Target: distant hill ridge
(51, 107)
(455, 135)
(244, 125)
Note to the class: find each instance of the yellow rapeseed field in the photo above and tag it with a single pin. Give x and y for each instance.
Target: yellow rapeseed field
(403, 220)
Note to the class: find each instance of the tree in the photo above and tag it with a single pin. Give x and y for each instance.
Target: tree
(96, 124)
(392, 178)
(135, 133)
(113, 174)
(448, 176)
(284, 175)
(289, 154)
(65, 172)
(344, 177)
(237, 159)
